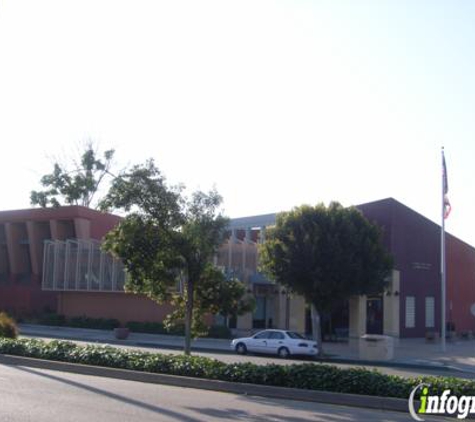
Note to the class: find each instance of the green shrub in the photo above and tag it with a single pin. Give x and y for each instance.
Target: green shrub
(309, 376)
(146, 327)
(57, 320)
(215, 331)
(219, 331)
(52, 319)
(8, 327)
(177, 330)
(95, 323)
(154, 328)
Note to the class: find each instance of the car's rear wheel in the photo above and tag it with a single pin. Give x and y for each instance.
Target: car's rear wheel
(241, 348)
(283, 352)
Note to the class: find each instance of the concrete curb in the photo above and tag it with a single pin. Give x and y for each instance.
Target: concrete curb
(354, 400)
(390, 364)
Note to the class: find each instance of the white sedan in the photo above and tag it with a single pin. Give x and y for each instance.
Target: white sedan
(281, 342)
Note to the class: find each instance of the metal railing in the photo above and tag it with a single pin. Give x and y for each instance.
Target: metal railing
(80, 265)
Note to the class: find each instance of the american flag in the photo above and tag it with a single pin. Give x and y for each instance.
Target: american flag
(447, 206)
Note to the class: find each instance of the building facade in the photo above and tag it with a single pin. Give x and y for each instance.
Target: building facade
(23, 234)
(51, 259)
(239, 257)
(409, 307)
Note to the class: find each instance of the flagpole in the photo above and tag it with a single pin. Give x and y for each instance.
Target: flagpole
(442, 256)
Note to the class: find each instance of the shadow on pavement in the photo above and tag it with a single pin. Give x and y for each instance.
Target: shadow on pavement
(244, 415)
(118, 397)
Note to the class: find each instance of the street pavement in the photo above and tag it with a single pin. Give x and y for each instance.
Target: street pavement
(409, 364)
(415, 353)
(39, 395)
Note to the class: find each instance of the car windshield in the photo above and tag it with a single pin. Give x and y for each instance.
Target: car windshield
(293, 335)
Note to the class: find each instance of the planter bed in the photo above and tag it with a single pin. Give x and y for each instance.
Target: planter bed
(308, 376)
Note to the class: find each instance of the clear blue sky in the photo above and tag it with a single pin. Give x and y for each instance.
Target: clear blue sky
(277, 103)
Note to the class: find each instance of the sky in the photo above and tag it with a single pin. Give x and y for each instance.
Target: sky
(275, 103)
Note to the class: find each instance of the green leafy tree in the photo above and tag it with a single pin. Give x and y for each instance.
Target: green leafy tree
(214, 294)
(325, 254)
(167, 244)
(146, 239)
(231, 298)
(76, 185)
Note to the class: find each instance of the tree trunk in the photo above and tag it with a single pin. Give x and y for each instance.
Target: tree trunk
(316, 328)
(188, 316)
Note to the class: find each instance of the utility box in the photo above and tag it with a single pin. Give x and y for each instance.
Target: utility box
(376, 347)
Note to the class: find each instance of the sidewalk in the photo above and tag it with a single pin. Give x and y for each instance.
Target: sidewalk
(134, 339)
(415, 353)
(459, 354)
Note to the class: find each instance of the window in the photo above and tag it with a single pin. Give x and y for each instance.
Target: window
(410, 311)
(232, 323)
(430, 312)
(259, 316)
(295, 336)
(262, 335)
(276, 336)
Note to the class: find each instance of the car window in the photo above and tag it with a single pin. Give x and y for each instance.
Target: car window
(262, 335)
(277, 336)
(293, 335)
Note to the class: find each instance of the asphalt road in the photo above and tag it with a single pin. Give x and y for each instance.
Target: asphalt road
(34, 395)
(263, 360)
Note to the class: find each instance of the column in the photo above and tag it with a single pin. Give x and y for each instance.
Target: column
(13, 244)
(35, 247)
(231, 241)
(296, 315)
(391, 307)
(357, 316)
(82, 228)
(55, 230)
(244, 323)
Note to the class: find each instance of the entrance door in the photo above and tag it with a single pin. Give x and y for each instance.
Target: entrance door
(374, 315)
(259, 316)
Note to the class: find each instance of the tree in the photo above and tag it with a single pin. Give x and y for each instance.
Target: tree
(216, 295)
(77, 185)
(168, 241)
(230, 299)
(325, 254)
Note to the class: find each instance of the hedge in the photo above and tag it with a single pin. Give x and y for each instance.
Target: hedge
(215, 331)
(307, 376)
(58, 320)
(53, 319)
(153, 328)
